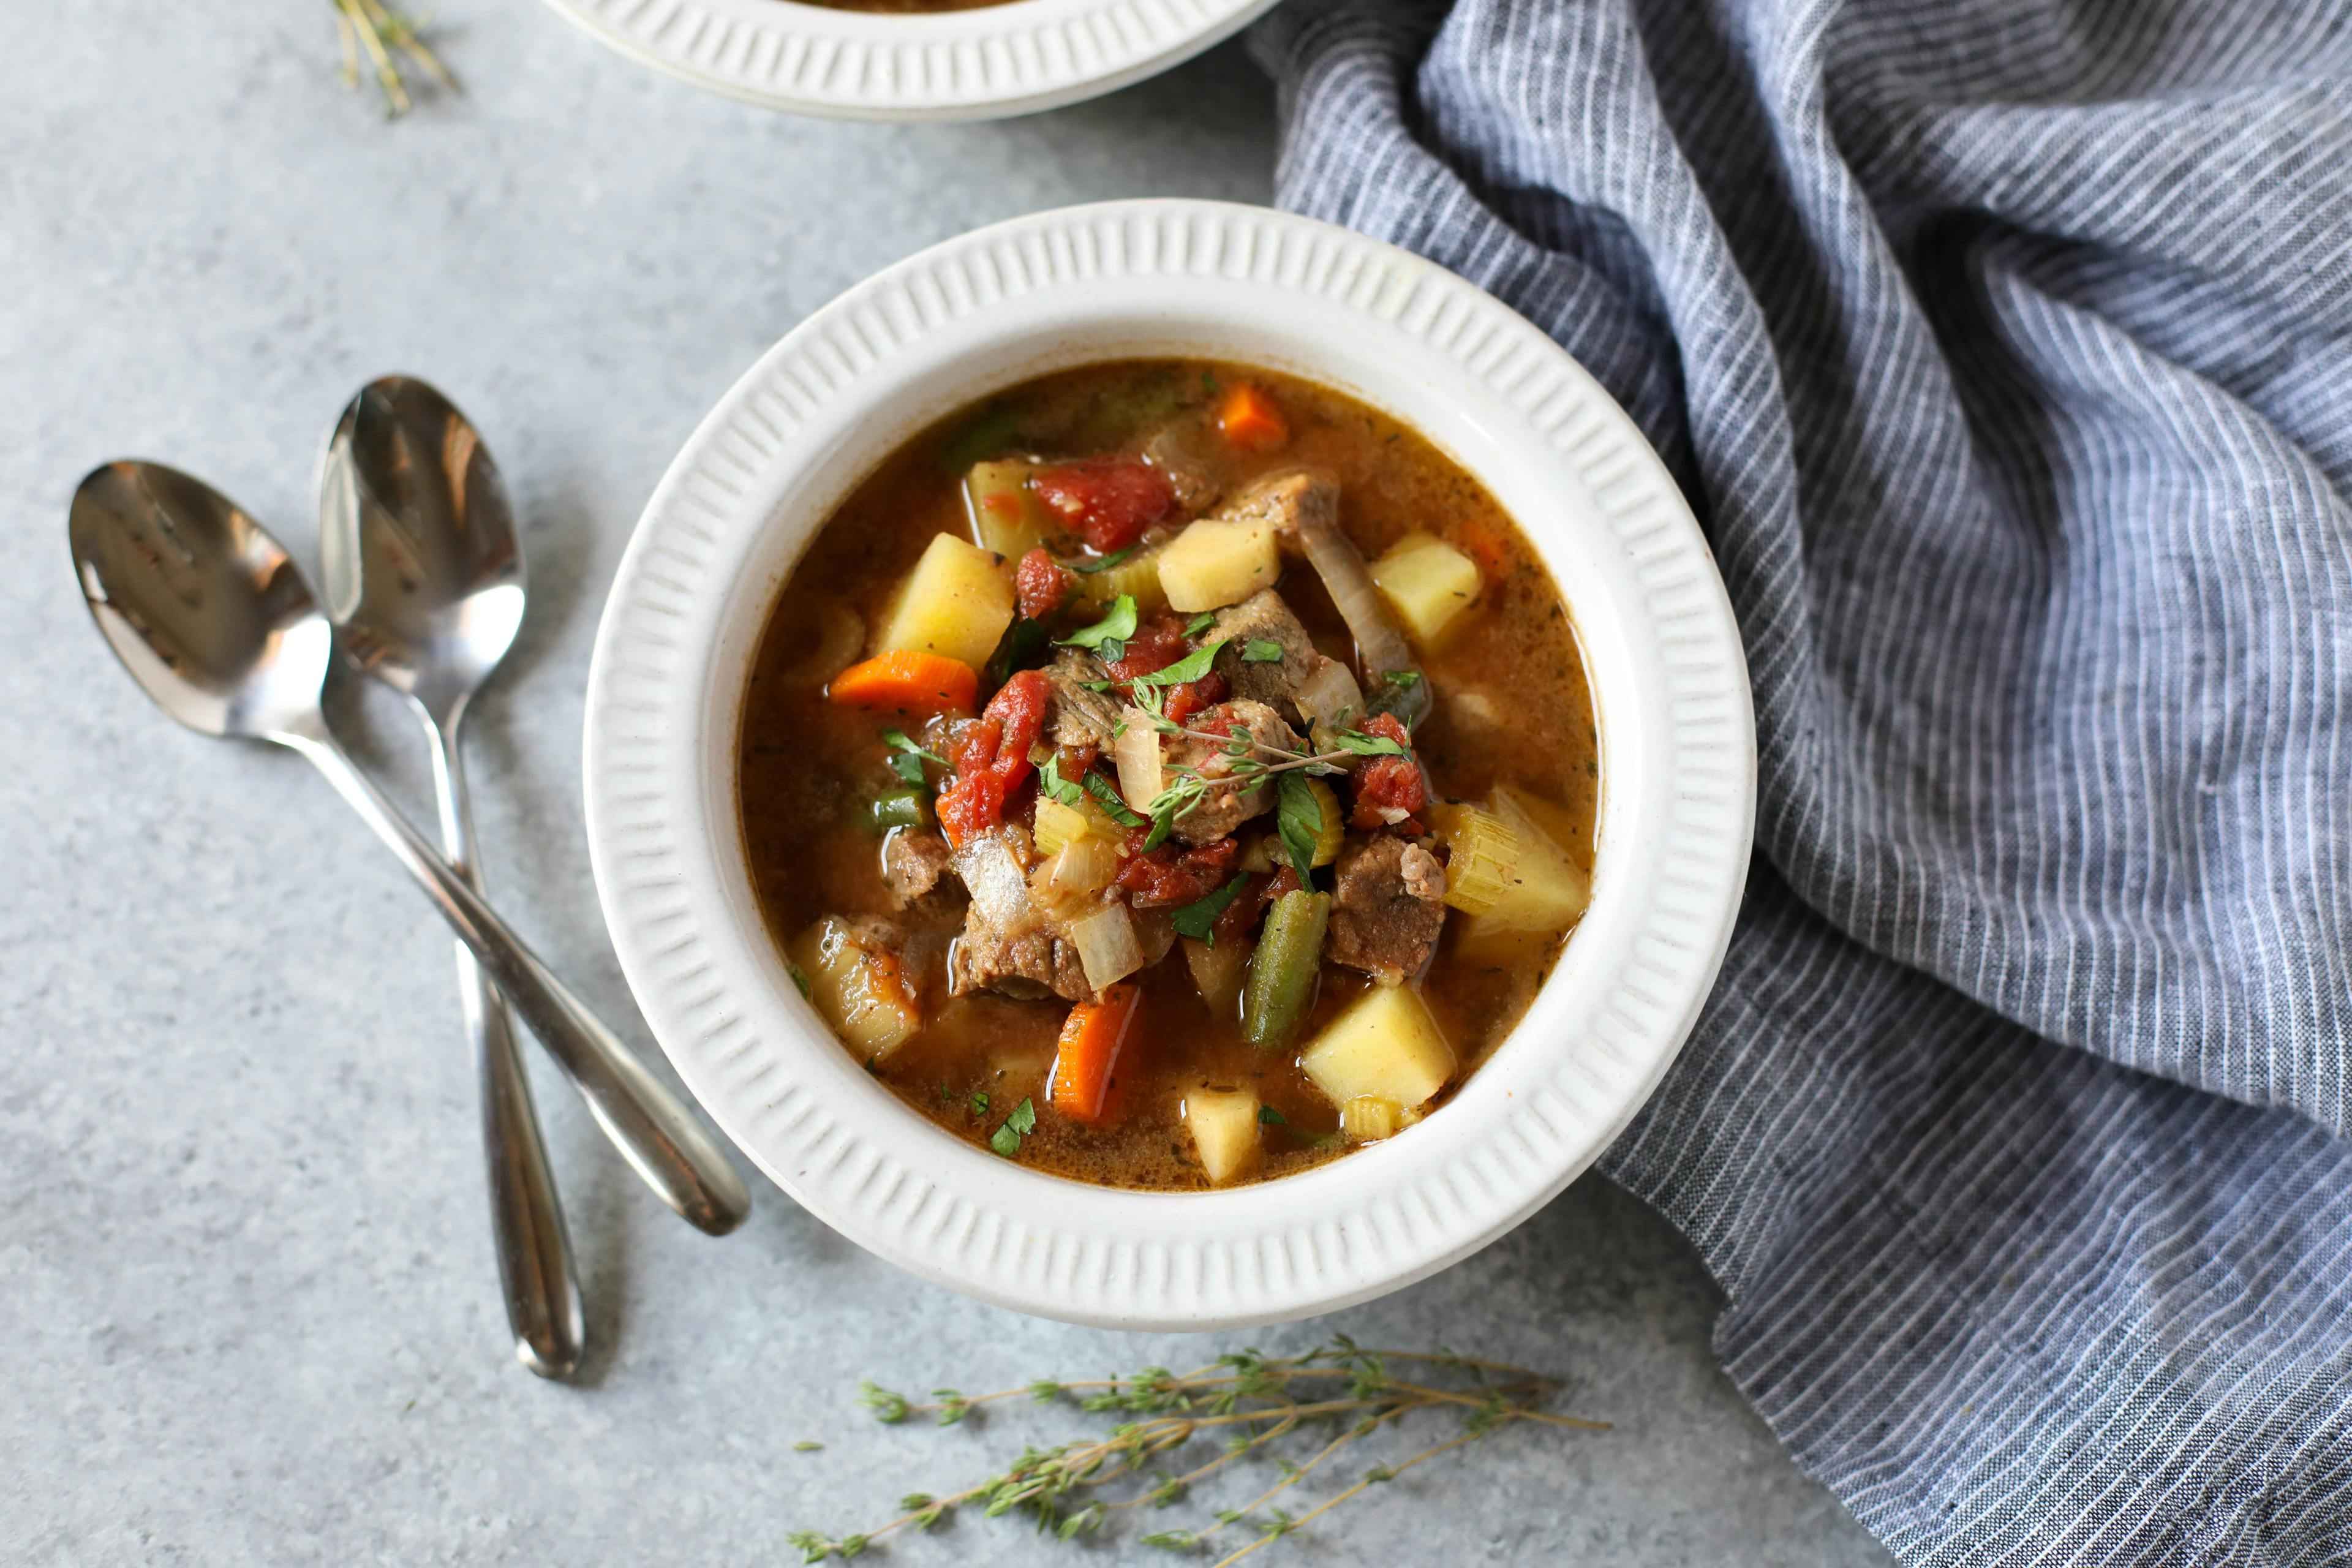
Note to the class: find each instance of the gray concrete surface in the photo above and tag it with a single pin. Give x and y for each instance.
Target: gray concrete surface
(246, 1306)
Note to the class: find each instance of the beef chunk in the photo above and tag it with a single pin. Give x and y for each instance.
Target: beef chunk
(1262, 617)
(1286, 496)
(1029, 963)
(1008, 944)
(912, 865)
(1388, 908)
(1225, 808)
(1079, 717)
(1175, 452)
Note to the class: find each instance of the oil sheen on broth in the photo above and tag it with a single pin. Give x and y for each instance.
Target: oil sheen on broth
(998, 938)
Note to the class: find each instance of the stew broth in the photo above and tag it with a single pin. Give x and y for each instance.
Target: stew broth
(1508, 704)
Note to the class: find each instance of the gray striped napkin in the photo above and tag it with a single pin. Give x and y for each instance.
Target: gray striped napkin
(2004, 347)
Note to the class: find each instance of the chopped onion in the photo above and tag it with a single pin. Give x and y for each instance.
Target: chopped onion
(1348, 580)
(1106, 945)
(1137, 752)
(1078, 870)
(993, 874)
(1328, 694)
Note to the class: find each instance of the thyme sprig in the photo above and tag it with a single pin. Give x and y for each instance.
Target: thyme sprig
(386, 37)
(1254, 1400)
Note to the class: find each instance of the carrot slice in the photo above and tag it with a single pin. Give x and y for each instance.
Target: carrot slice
(1249, 418)
(1091, 1036)
(909, 680)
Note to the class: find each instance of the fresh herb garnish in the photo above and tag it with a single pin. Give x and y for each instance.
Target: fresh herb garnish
(1100, 788)
(1006, 1140)
(1022, 646)
(1056, 787)
(1089, 568)
(1108, 637)
(908, 761)
(1298, 817)
(1261, 650)
(1191, 667)
(1364, 745)
(1407, 679)
(1200, 622)
(798, 979)
(979, 1102)
(1198, 918)
(1250, 1405)
(806, 1447)
(1271, 1117)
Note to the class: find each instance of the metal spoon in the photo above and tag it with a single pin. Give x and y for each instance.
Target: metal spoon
(423, 576)
(211, 618)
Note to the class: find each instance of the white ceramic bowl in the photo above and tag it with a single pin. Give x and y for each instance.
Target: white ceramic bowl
(981, 64)
(821, 409)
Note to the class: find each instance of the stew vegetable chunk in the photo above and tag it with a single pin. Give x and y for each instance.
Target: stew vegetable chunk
(1169, 774)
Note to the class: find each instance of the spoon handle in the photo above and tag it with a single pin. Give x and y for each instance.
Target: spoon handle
(542, 1292)
(657, 1134)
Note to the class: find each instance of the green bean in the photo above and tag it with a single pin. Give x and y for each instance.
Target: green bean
(1280, 992)
(900, 808)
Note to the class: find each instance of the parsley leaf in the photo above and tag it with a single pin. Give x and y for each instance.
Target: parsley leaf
(1100, 788)
(1261, 650)
(1191, 667)
(979, 1102)
(1006, 1140)
(899, 741)
(1365, 745)
(1271, 1117)
(908, 761)
(1050, 780)
(1407, 679)
(1298, 815)
(1090, 567)
(1117, 626)
(1198, 918)
(1200, 622)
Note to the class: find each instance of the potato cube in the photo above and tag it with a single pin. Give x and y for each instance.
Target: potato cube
(957, 601)
(1219, 561)
(856, 987)
(1386, 1047)
(1225, 1130)
(1429, 583)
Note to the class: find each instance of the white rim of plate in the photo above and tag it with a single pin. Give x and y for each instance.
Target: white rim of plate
(982, 64)
(1112, 280)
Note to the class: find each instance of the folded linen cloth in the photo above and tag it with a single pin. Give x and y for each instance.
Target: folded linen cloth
(2004, 349)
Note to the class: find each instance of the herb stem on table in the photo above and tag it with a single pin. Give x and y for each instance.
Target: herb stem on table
(1247, 1395)
(386, 36)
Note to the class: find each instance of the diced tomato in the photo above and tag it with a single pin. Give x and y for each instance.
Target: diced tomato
(1042, 583)
(1389, 790)
(1170, 875)
(1389, 727)
(1109, 500)
(1156, 645)
(1189, 699)
(991, 757)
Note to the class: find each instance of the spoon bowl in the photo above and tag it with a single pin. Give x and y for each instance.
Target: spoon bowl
(202, 606)
(417, 551)
(214, 620)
